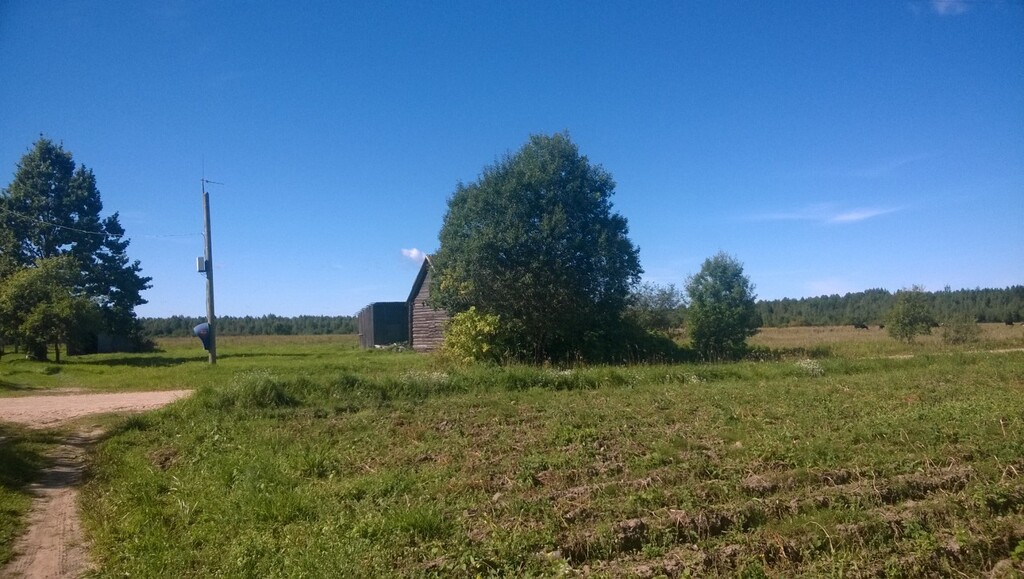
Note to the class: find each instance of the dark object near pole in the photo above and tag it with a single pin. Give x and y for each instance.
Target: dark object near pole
(202, 331)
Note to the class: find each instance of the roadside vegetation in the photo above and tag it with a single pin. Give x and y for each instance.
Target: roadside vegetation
(308, 456)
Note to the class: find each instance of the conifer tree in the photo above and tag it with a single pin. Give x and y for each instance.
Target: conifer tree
(52, 208)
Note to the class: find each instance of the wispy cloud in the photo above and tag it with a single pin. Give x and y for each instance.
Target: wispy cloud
(888, 167)
(859, 215)
(825, 213)
(413, 254)
(949, 7)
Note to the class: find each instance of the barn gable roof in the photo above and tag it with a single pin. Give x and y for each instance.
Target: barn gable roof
(420, 278)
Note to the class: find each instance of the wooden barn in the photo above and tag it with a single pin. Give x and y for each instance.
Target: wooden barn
(426, 324)
(383, 323)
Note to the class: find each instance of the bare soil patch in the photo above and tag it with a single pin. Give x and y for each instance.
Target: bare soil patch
(48, 411)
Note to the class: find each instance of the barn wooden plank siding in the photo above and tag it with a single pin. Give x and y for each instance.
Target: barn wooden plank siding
(426, 324)
(383, 323)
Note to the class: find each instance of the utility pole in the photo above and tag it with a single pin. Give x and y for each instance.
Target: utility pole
(210, 317)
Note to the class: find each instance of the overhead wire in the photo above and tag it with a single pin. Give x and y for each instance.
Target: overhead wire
(86, 232)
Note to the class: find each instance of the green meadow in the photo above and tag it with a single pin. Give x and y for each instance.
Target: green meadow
(846, 456)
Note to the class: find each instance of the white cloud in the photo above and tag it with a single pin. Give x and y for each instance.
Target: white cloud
(858, 215)
(949, 7)
(826, 214)
(413, 254)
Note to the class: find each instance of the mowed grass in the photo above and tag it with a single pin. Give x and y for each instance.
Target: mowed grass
(180, 363)
(316, 459)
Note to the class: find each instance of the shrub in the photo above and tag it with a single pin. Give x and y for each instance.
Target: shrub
(910, 315)
(656, 308)
(472, 337)
(961, 329)
(722, 313)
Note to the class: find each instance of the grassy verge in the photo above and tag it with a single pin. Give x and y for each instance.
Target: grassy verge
(380, 463)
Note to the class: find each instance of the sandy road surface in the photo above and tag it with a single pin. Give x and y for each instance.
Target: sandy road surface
(53, 546)
(46, 411)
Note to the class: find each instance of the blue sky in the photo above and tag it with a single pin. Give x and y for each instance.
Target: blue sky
(830, 146)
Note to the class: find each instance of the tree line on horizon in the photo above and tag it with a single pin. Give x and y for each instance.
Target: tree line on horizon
(866, 307)
(267, 325)
(870, 307)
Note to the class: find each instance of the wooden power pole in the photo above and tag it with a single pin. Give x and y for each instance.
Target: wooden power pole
(210, 316)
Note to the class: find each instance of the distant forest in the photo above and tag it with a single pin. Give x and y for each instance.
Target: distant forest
(867, 307)
(253, 326)
(871, 306)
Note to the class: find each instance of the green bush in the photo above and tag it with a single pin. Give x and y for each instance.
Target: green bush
(910, 316)
(961, 329)
(722, 312)
(473, 337)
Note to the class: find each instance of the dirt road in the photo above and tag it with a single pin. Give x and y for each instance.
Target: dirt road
(53, 546)
(47, 411)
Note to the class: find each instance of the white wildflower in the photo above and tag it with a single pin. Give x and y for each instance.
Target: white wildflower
(811, 367)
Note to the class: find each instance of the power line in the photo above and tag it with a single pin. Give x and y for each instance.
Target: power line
(57, 225)
(99, 233)
(156, 236)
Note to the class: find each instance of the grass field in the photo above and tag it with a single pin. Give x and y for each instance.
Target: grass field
(849, 342)
(308, 457)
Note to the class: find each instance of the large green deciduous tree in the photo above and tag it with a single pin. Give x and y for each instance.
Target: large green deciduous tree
(535, 241)
(722, 314)
(52, 208)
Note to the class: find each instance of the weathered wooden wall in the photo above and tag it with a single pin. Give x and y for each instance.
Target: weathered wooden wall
(426, 324)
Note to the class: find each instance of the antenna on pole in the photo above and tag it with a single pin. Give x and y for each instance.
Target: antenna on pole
(211, 342)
